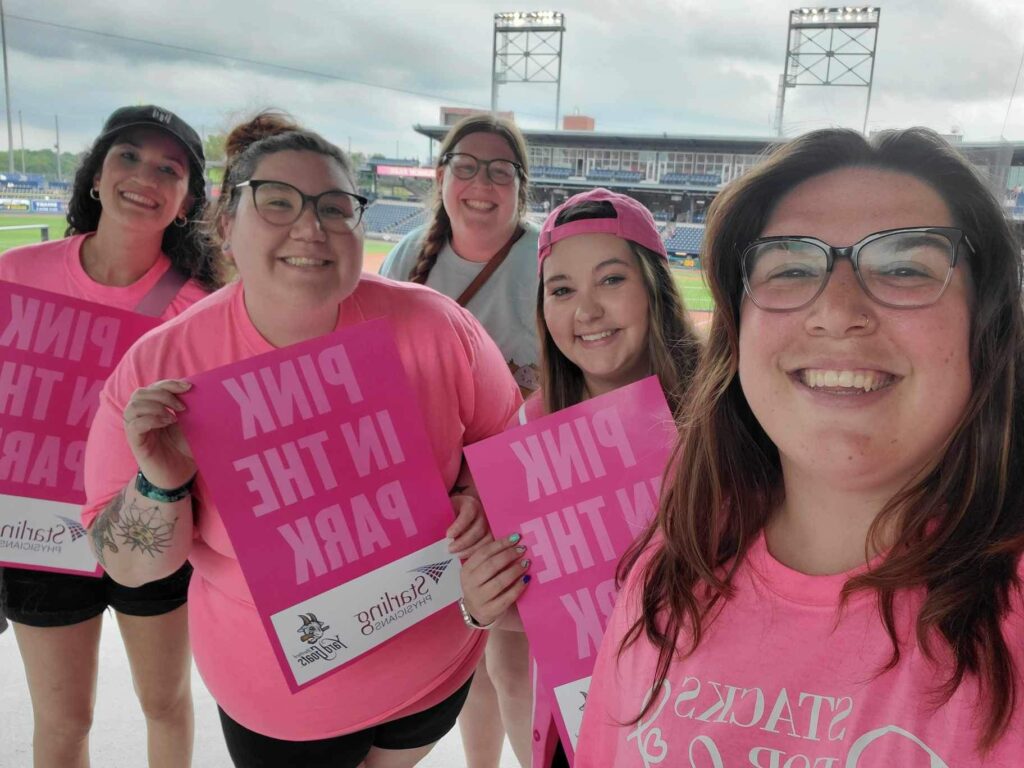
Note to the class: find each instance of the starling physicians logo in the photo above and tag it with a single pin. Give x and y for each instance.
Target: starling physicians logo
(393, 606)
(321, 647)
(161, 115)
(74, 527)
(435, 570)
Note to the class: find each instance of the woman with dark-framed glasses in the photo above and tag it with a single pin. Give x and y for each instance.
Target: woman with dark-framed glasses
(479, 249)
(834, 574)
(288, 217)
(478, 246)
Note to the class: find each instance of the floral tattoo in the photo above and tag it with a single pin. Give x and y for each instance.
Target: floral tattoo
(140, 529)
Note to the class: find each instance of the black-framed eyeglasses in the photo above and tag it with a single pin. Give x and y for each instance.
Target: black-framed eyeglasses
(280, 203)
(465, 166)
(901, 268)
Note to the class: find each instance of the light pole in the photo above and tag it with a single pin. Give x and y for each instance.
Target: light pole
(7, 93)
(527, 49)
(829, 46)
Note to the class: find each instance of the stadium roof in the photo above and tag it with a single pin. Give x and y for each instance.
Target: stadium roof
(670, 142)
(666, 142)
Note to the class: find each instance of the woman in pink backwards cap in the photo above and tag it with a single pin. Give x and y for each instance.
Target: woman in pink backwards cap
(132, 244)
(608, 314)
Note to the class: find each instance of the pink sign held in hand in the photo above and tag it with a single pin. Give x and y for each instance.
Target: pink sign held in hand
(579, 485)
(55, 354)
(322, 472)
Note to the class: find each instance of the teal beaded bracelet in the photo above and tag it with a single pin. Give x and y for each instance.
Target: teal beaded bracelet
(150, 491)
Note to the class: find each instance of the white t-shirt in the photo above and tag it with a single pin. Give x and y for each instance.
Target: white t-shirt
(505, 305)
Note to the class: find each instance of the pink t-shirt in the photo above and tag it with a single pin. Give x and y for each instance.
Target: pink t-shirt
(778, 682)
(466, 393)
(56, 266)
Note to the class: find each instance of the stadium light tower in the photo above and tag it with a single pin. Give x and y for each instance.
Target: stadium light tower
(829, 46)
(528, 49)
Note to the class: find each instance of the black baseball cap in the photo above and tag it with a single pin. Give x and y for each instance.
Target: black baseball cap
(151, 116)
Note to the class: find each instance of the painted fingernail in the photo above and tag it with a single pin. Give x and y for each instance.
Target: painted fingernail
(520, 549)
(525, 563)
(526, 579)
(514, 538)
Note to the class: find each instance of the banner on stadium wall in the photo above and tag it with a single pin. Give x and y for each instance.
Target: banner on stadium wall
(15, 206)
(318, 461)
(55, 354)
(404, 170)
(579, 485)
(49, 206)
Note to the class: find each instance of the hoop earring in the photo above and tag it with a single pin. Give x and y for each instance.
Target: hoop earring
(180, 221)
(94, 194)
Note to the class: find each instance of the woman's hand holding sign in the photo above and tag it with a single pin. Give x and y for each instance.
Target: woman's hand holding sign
(151, 426)
(493, 579)
(470, 529)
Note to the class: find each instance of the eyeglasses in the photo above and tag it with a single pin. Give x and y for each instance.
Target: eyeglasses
(465, 166)
(901, 268)
(281, 204)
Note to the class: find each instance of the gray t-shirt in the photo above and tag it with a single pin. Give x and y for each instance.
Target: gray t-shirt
(505, 305)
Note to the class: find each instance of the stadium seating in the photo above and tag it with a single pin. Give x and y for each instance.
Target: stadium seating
(550, 172)
(408, 225)
(391, 218)
(685, 240)
(700, 179)
(606, 174)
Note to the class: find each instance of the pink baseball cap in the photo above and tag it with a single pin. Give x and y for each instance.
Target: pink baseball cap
(632, 222)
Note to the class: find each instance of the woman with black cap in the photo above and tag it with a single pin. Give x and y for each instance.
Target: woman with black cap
(131, 244)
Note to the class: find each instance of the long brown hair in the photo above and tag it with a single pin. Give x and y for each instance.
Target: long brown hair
(959, 529)
(439, 230)
(672, 343)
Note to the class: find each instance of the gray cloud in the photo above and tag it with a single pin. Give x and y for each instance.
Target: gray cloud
(644, 66)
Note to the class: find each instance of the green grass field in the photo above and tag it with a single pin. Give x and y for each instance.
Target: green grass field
(690, 282)
(695, 292)
(57, 224)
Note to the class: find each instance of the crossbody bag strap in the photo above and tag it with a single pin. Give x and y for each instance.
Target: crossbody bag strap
(487, 271)
(160, 296)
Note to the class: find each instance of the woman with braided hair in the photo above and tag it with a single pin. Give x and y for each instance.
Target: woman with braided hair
(479, 249)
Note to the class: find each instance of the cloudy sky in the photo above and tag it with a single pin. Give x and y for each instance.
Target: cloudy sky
(363, 73)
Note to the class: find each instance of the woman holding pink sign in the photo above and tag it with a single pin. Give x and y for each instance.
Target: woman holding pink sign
(132, 244)
(835, 573)
(609, 314)
(289, 218)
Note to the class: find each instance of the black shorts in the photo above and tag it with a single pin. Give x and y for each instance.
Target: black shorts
(48, 599)
(249, 749)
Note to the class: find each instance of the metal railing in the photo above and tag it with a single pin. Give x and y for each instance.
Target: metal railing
(44, 229)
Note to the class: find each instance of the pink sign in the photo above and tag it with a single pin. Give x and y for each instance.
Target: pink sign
(55, 354)
(579, 485)
(319, 463)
